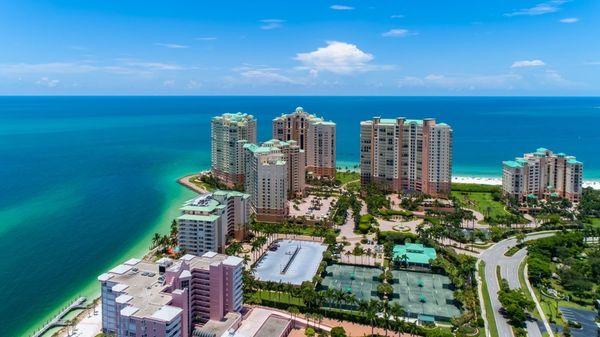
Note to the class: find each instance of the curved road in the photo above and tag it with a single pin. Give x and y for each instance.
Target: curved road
(509, 270)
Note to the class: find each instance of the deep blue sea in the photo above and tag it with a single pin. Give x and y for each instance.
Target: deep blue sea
(85, 181)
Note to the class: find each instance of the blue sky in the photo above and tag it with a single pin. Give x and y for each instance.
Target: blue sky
(369, 47)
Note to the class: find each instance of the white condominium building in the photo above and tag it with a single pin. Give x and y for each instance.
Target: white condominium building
(314, 135)
(229, 132)
(208, 220)
(543, 174)
(295, 159)
(406, 155)
(267, 181)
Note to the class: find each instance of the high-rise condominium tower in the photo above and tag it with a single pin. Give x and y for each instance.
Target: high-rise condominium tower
(267, 181)
(229, 132)
(543, 174)
(406, 155)
(314, 135)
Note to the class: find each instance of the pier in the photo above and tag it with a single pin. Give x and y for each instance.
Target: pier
(58, 321)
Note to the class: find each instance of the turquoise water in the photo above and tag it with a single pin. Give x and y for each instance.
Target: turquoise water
(85, 181)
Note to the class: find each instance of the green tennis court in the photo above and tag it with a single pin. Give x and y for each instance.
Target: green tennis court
(424, 294)
(420, 293)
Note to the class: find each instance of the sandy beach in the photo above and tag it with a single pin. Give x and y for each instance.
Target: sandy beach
(595, 184)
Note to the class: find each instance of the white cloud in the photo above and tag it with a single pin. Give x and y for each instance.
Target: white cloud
(172, 45)
(569, 20)
(337, 57)
(528, 63)
(539, 9)
(169, 83)
(206, 38)
(469, 82)
(397, 16)
(341, 8)
(192, 84)
(266, 75)
(397, 32)
(154, 65)
(268, 24)
(121, 67)
(47, 82)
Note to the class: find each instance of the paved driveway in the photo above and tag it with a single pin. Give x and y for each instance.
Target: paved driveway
(509, 269)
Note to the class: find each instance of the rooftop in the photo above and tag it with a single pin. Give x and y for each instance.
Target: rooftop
(513, 164)
(237, 117)
(414, 253)
(144, 289)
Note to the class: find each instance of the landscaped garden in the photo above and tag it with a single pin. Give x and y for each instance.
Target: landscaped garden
(564, 271)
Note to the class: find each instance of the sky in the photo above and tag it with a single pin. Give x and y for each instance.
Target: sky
(326, 47)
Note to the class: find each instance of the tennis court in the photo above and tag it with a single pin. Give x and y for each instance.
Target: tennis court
(419, 293)
(425, 294)
(358, 280)
(291, 261)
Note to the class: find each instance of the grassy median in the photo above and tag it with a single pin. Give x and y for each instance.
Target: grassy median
(489, 311)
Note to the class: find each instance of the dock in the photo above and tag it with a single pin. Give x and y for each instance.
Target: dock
(58, 321)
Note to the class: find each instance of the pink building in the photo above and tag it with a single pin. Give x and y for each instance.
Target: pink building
(170, 298)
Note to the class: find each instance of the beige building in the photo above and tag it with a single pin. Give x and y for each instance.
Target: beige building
(543, 174)
(295, 161)
(314, 135)
(207, 221)
(266, 181)
(406, 155)
(229, 133)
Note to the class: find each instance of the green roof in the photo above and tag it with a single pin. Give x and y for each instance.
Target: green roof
(231, 194)
(415, 253)
(573, 161)
(208, 218)
(387, 121)
(257, 149)
(414, 121)
(513, 164)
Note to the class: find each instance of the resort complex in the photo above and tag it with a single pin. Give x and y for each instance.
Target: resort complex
(543, 175)
(315, 136)
(297, 244)
(406, 155)
(229, 133)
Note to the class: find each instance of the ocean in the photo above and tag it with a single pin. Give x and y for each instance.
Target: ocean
(86, 181)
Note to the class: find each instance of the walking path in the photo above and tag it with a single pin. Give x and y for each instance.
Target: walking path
(57, 321)
(185, 181)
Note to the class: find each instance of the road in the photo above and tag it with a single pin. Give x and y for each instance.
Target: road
(509, 270)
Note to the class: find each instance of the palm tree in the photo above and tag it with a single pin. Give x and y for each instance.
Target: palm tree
(155, 240)
(370, 309)
(294, 312)
(397, 311)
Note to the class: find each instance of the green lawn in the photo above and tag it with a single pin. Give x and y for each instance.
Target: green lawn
(482, 202)
(524, 287)
(595, 222)
(347, 176)
(278, 297)
(489, 312)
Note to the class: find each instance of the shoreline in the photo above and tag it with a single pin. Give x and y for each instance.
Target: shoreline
(595, 184)
(174, 197)
(83, 324)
